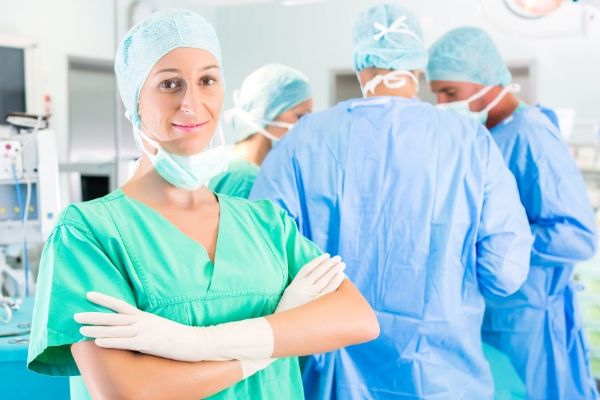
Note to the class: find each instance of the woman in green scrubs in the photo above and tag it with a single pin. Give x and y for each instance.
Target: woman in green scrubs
(270, 101)
(177, 253)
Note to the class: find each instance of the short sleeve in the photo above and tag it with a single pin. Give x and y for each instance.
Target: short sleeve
(299, 250)
(72, 264)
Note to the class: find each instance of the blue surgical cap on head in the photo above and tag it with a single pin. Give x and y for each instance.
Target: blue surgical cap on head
(267, 92)
(388, 36)
(151, 39)
(467, 54)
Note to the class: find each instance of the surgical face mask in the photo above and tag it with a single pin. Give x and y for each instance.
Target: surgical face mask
(392, 80)
(186, 172)
(463, 106)
(258, 125)
(279, 124)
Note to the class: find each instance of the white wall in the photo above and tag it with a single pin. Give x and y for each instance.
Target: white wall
(316, 38)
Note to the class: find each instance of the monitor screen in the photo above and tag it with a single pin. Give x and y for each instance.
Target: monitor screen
(12, 81)
(93, 187)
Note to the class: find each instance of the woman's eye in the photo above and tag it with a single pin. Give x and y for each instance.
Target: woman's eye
(170, 84)
(208, 81)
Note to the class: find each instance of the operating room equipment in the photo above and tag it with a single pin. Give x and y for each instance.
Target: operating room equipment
(14, 333)
(29, 203)
(536, 20)
(18, 341)
(533, 8)
(8, 305)
(16, 382)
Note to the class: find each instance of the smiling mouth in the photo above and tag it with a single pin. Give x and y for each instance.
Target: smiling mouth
(189, 126)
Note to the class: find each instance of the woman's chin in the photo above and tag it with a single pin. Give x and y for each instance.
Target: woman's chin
(185, 149)
(188, 145)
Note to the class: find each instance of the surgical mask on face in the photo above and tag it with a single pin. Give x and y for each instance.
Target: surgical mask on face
(463, 106)
(392, 80)
(258, 125)
(279, 124)
(186, 172)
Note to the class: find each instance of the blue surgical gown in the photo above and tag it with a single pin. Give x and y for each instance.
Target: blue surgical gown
(539, 327)
(422, 208)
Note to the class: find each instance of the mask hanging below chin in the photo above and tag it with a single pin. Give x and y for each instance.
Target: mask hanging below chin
(186, 172)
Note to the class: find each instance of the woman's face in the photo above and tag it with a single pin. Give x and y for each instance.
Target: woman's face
(180, 102)
(290, 116)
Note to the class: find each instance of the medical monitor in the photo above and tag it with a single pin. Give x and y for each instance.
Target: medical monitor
(12, 81)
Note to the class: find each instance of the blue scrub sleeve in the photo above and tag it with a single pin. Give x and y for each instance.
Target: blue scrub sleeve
(72, 263)
(562, 219)
(503, 239)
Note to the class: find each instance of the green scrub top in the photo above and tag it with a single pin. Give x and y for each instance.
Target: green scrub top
(237, 181)
(120, 246)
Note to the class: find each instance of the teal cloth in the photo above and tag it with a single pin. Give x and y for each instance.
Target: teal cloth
(237, 181)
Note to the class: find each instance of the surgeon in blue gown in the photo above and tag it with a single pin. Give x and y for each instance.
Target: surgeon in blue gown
(420, 204)
(538, 327)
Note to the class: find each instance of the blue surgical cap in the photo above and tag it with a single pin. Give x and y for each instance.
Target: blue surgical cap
(151, 39)
(467, 54)
(267, 92)
(388, 36)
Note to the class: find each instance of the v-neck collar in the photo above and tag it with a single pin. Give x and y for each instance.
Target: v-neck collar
(166, 221)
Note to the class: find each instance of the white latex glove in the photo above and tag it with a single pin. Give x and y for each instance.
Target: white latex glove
(133, 329)
(318, 277)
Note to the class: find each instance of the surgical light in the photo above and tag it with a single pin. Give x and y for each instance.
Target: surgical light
(533, 8)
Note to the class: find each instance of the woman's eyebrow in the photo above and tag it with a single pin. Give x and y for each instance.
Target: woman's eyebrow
(168, 70)
(175, 70)
(209, 67)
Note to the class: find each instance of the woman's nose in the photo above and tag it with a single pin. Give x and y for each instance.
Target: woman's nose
(189, 102)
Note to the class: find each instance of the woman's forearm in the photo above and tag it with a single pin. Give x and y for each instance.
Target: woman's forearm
(120, 374)
(336, 320)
